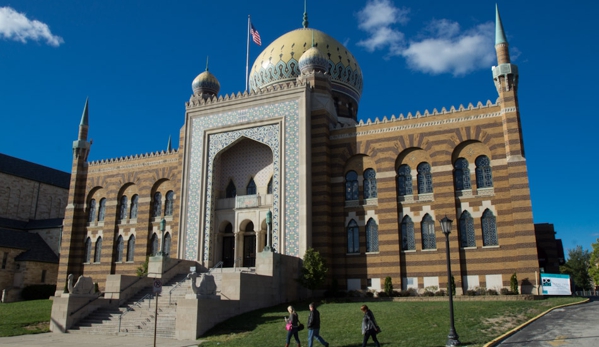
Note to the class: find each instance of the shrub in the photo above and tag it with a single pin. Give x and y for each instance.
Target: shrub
(427, 293)
(369, 294)
(395, 294)
(505, 291)
(383, 295)
(142, 270)
(514, 283)
(491, 292)
(388, 285)
(38, 291)
(440, 293)
(471, 292)
(481, 291)
(404, 293)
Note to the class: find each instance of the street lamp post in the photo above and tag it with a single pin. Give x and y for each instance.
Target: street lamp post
(452, 337)
(268, 247)
(162, 227)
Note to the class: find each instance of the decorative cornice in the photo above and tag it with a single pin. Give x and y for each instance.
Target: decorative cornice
(132, 158)
(431, 123)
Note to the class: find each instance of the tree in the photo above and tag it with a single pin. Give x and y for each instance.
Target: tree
(514, 284)
(388, 286)
(594, 263)
(313, 271)
(577, 267)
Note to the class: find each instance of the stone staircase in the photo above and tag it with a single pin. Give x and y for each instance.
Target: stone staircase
(136, 316)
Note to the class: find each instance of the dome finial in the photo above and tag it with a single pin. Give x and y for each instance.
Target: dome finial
(305, 23)
(207, 57)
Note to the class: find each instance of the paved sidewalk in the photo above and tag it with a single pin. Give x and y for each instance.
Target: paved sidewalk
(61, 340)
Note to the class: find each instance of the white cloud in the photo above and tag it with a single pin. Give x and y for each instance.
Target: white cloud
(451, 51)
(443, 47)
(377, 19)
(16, 26)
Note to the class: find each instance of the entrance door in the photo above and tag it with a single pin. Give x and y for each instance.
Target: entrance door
(249, 251)
(228, 251)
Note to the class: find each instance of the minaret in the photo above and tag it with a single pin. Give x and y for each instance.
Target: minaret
(72, 250)
(505, 76)
(169, 147)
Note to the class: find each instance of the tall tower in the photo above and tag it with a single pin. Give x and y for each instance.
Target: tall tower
(72, 250)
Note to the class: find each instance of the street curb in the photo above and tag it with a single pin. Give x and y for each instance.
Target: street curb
(495, 341)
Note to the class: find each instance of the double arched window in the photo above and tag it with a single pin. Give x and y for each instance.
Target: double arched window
(425, 178)
(404, 180)
(123, 208)
(98, 251)
(88, 249)
(102, 210)
(484, 177)
(154, 244)
(370, 190)
(131, 248)
(372, 236)
(408, 242)
(428, 233)
(168, 205)
(231, 191)
(157, 204)
(251, 187)
(466, 227)
(461, 174)
(92, 210)
(351, 186)
(167, 243)
(120, 245)
(134, 201)
(353, 237)
(489, 229)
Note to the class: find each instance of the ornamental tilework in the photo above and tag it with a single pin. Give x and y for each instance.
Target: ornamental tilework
(269, 135)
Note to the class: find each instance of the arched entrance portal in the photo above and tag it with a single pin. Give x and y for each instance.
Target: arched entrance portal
(249, 246)
(228, 247)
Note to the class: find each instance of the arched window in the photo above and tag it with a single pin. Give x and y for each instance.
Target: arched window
(88, 250)
(484, 177)
(489, 229)
(157, 204)
(353, 238)
(269, 187)
(231, 190)
(120, 245)
(102, 210)
(168, 205)
(404, 180)
(372, 236)
(370, 191)
(229, 229)
(131, 248)
(249, 227)
(123, 209)
(154, 243)
(467, 230)
(92, 210)
(408, 242)
(351, 186)
(251, 187)
(461, 174)
(98, 254)
(428, 233)
(424, 178)
(134, 200)
(167, 243)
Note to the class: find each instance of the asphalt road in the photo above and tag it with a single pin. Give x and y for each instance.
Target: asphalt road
(567, 326)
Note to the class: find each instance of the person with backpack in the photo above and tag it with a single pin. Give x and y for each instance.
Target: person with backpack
(369, 327)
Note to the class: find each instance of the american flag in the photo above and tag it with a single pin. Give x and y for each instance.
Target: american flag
(255, 35)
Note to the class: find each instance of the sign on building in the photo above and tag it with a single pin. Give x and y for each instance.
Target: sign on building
(555, 284)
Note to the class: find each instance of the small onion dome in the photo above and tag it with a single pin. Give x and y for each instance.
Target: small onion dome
(313, 60)
(205, 83)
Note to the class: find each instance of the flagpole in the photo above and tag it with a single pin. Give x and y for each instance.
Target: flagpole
(247, 58)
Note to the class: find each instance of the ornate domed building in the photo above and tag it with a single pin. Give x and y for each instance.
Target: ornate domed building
(261, 177)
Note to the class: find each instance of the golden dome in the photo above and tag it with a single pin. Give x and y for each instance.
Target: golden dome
(279, 62)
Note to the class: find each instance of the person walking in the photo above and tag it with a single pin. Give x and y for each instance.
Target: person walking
(314, 326)
(369, 327)
(293, 323)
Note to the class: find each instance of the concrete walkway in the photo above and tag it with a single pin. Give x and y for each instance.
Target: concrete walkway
(61, 340)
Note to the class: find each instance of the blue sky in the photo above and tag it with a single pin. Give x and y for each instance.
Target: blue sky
(135, 60)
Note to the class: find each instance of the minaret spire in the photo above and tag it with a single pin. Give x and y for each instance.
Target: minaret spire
(505, 74)
(168, 145)
(84, 124)
(305, 22)
(499, 33)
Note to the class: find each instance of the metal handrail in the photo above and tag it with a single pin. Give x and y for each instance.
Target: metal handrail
(219, 264)
(138, 304)
(170, 292)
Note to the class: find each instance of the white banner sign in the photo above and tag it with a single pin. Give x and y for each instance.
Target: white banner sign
(555, 284)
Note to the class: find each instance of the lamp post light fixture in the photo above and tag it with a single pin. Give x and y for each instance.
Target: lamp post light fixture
(268, 247)
(452, 337)
(162, 227)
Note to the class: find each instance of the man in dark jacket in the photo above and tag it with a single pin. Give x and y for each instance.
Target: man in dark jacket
(314, 326)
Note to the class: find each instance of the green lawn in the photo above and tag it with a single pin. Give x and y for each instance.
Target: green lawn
(25, 317)
(403, 323)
